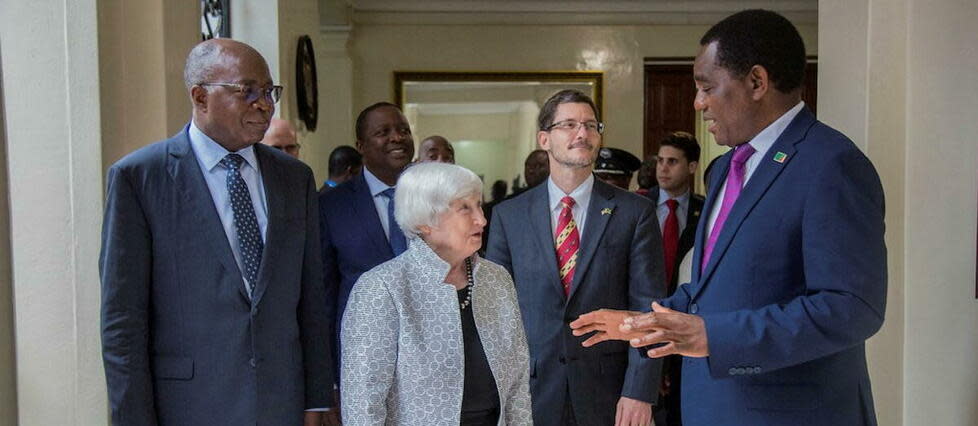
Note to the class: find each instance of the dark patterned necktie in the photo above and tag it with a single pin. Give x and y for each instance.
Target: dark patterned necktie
(397, 239)
(250, 244)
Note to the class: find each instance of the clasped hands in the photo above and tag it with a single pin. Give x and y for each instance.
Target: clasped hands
(681, 333)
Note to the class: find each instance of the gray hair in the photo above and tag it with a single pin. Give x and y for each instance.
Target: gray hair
(424, 192)
(201, 63)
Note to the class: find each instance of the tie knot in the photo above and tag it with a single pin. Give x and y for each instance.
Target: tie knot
(567, 201)
(672, 204)
(389, 193)
(742, 152)
(232, 161)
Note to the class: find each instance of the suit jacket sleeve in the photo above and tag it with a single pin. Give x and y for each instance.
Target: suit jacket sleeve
(646, 283)
(315, 325)
(370, 330)
(844, 261)
(125, 267)
(498, 250)
(331, 282)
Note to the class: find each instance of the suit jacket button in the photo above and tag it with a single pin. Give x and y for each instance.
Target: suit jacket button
(732, 371)
(757, 370)
(694, 308)
(562, 360)
(253, 362)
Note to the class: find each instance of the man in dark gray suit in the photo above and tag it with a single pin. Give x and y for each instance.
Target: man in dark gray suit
(575, 244)
(213, 308)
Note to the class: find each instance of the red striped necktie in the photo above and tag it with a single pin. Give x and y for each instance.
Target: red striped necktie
(568, 241)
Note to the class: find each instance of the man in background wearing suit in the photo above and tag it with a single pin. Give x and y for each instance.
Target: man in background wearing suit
(357, 217)
(789, 276)
(678, 210)
(213, 309)
(573, 245)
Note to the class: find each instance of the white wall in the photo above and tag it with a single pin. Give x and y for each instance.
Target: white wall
(51, 107)
(618, 50)
(941, 347)
(8, 384)
(897, 77)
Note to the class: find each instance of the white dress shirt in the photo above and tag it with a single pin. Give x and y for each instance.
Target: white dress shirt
(761, 143)
(582, 198)
(380, 201)
(662, 209)
(209, 155)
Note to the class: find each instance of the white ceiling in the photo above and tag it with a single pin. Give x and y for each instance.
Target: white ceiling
(596, 6)
(559, 12)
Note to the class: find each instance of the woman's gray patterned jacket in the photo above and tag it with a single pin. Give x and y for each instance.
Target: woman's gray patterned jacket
(403, 357)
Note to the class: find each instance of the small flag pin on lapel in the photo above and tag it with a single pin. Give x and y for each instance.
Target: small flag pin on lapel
(606, 210)
(780, 157)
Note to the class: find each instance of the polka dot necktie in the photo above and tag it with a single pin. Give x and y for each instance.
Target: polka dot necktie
(250, 244)
(397, 239)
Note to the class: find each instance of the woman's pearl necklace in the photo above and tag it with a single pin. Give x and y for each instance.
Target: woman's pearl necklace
(468, 294)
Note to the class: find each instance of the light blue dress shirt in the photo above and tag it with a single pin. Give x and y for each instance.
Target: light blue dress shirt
(662, 209)
(209, 155)
(380, 201)
(582, 199)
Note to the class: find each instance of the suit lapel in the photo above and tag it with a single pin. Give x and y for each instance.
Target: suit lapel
(601, 201)
(539, 213)
(365, 213)
(197, 211)
(273, 181)
(765, 174)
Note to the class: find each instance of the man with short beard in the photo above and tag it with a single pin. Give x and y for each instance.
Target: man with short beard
(357, 217)
(573, 245)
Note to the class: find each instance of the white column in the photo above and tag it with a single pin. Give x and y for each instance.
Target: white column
(51, 107)
(861, 92)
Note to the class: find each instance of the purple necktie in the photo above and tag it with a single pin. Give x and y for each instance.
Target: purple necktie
(735, 182)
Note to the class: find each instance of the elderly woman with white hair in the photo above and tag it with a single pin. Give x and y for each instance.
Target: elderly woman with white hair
(434, 336)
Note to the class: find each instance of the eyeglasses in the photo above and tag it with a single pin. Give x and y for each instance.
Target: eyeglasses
(573, 126)
(251, 93)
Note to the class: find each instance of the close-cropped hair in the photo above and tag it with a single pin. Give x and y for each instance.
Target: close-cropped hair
(361, 125)
(684, 142)
(760, 37)
(342, 158)
(568, 96)
(425, 191)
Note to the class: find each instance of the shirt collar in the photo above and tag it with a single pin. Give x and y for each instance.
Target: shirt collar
(766, 138)
(579, 194)
(375, 184)
(211, 153)
(664, 196)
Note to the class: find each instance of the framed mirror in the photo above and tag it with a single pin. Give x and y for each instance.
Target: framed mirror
(489, 117)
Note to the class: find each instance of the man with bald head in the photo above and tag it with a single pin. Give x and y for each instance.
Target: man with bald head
(281, 136)
(436, 148)
(200, 323)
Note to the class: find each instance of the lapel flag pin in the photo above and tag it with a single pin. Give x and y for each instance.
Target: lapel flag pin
(780, 157)
(606, 210)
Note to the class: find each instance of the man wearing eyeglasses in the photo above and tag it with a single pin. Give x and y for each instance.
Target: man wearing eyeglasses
(573, 245)
(281, 136)
(213, 309)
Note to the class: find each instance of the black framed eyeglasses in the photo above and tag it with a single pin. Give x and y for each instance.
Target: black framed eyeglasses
(573, 126)
(251, 93)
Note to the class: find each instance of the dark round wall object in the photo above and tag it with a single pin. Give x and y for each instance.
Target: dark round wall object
(307, 90)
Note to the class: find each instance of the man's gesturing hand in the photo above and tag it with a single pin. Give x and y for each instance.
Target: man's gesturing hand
(683, 334)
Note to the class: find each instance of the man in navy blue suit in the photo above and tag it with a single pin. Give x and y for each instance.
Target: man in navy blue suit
(789, 275)
(356, 217)
(213, 309)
